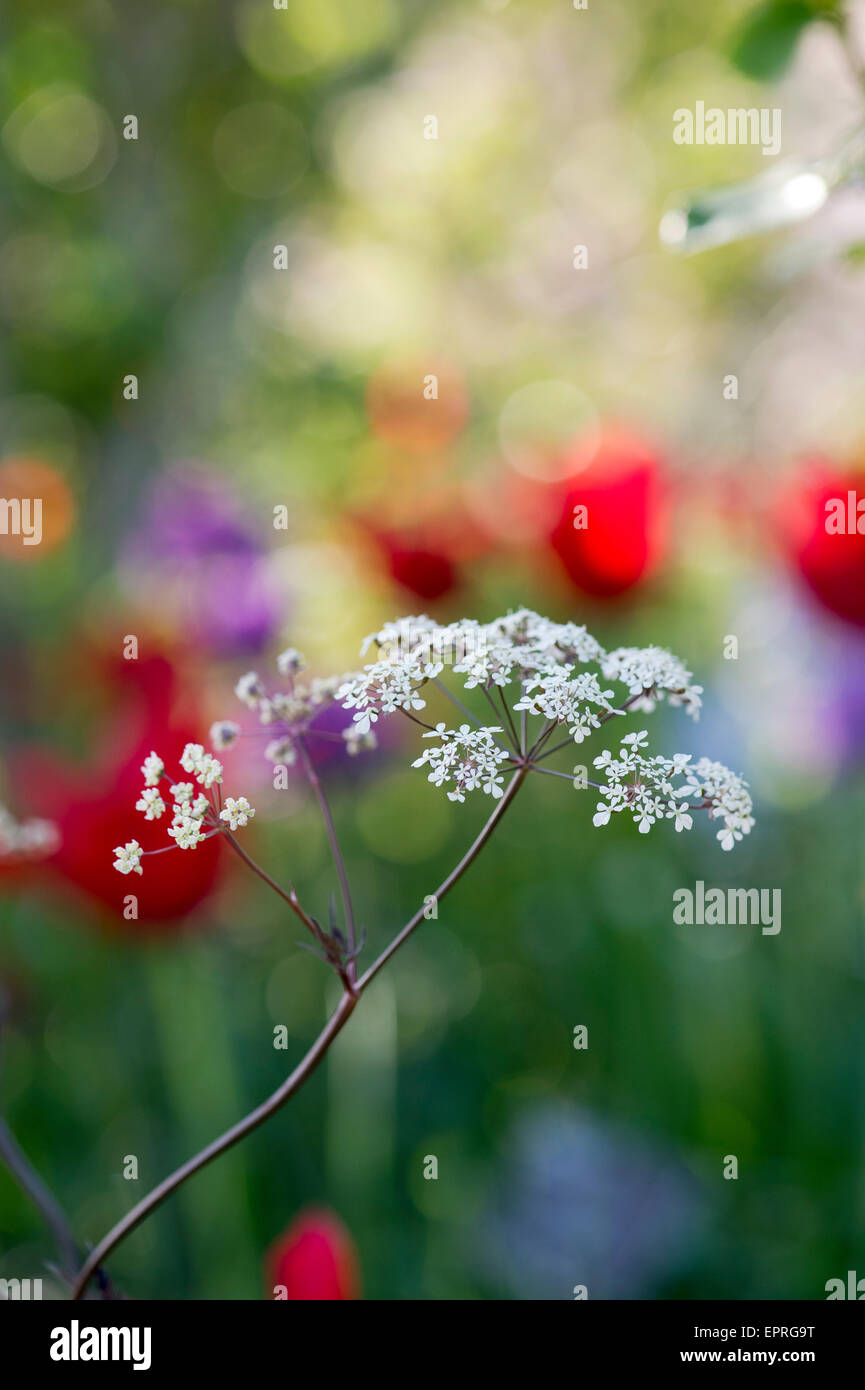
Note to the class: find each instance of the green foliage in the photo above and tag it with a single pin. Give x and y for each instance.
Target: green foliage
(764, 46)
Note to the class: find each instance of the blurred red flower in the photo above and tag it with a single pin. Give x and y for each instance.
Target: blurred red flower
(94, 806)
(831, 562)
(431, 555)
(424, 570)
(314, 1259)
(616, 541)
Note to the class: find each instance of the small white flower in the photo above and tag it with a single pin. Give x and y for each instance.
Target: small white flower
(190, 758)
(564, 697)
(289, 662)
(638, 740)
(223, 734)
(728, 837)
(32, 839)
(237, 811)
(128, 860)
(281, 752)
(680, 815)
(208, 770)
(152, 769)
(187, 831)
(652, 673)
(357, 742)
(467, 758)
(151, 803)
(182, 793)
(382, 688)
(249, 690)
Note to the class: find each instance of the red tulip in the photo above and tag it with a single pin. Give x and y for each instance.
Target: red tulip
(613, 543)
(429, 557)
(428, 573)
(832, 562)
(314, 1259)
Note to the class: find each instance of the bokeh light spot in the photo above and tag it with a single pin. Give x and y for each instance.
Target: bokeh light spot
(260, 150)
(539, 422)
(61, 138)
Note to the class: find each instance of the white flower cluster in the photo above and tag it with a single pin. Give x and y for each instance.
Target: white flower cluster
(728, 797)
(192, 814)
(520, 646)
(567, 699)
(195, 815)
(128, 858)
(237, 811)
(384, 687)
(546, 662)
(653, 674)
(465, 757)
(644, 787)
(289, 712)
(28, 839)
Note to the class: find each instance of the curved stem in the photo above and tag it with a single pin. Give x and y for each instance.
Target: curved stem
(452, 878)
(305, 1068)
(232, 1136)
(290, 897)
(440, 685)
(414, 719)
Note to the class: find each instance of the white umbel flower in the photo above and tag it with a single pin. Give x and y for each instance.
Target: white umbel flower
(223, 734)
(190, 758)
(382, 688)
(679, 814)
(237, 811)
(281, 752)
(249, 690)
(152, 769)
(728, 797)
(128, 858)
(289, 662)
(27, 839)
(357, 742)
(468, 759)
(564, 698)
(151, 803)
(209, 770)
(187, 831)
(645, 787)
(653, 674)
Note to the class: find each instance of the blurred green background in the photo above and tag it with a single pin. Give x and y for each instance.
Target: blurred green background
(303, 388)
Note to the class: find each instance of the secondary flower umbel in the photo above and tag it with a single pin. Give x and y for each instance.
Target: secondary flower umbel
(27, 839)
(196, 815)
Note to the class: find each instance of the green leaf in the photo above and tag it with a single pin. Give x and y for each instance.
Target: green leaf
(766, 42)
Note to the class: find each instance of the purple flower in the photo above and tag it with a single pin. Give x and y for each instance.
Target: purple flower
(198, 548)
